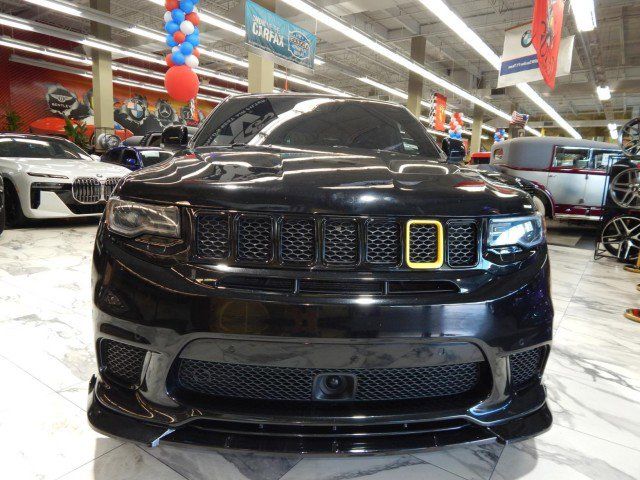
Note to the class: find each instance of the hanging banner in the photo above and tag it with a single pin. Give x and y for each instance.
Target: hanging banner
(520, 60)
(273, 37)
(439, 112)
(546, 30)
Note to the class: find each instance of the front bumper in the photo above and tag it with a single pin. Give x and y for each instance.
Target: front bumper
(160, 310)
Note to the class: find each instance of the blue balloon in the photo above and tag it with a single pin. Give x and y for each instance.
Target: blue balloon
(186, 49)
(177, 58)
(171, 27)
(170, 41)
(193, 39)
(186, 6)
(177, 15)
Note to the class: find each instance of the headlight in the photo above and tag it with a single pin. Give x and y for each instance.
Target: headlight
(132, 219)
(46, 175)
(522, 231)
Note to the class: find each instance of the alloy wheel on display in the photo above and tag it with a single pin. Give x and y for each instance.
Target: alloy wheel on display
(629, 138)
(625, 188)
(621, 238)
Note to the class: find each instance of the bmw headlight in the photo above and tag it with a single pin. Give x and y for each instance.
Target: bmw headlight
(507, 235)
(132, 219)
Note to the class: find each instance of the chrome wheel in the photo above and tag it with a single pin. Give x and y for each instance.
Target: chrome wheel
(621, 238)
(629, 138)
(625, 188)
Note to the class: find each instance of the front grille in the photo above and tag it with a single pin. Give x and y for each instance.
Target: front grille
(341, 242)
(299, 241)
(296, 384)
(86, 190)
(109, 185)
(254, 238)
(122, 362)
(423, 240)
(213, 236)
(462, 243)
(525, 366)
(383, 243)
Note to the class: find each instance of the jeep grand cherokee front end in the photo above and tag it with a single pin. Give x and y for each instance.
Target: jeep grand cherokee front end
(310, 276)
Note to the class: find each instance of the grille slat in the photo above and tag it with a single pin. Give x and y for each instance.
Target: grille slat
(213, 236)
(462, 243)
(383, 243)
(109, 185)
(341, 242)
(122, 361)
(298, 240)
(86, 190)
(525, 366)
(295, 384)
(423, 241)
(255, 238)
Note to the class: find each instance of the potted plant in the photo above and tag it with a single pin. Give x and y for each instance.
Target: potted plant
(12, 120)
(76, 132)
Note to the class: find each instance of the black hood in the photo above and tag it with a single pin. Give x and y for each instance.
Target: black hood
(358, 182)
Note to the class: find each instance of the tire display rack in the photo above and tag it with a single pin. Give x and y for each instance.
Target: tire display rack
(619, 227)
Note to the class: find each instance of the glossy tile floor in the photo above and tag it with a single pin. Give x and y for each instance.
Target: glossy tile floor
(46, 358)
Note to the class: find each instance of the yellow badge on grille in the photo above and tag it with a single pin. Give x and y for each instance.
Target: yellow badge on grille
(424, 243)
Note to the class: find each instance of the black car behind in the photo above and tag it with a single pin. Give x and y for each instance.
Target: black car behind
(309, 275)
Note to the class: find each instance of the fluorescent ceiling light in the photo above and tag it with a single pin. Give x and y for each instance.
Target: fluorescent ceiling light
(460, 28)
(16, 24)
(584, 14)
(33, 48)
(383, 50)
(318, 61)
(143, 32)
(613, 130)
(109, 47)
(223, 57)
(57, 6)
(221, 23)
(455, 23)
(385, 88)
(310, 84)
(604, 93)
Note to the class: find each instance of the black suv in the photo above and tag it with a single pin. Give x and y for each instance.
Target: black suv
(310, 275)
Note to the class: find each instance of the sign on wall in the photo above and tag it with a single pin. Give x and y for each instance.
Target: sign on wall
(520, 60)
(272, 36)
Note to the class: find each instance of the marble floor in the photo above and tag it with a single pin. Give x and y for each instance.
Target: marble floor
(46, 358)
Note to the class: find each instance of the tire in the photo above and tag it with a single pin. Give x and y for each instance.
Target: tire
(621, 238)
(14, 216)
(2, 216)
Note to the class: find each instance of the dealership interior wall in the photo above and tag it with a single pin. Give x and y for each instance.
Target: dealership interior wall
(99, 65)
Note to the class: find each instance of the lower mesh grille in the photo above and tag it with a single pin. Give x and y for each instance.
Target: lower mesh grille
(298, 240)
(423, 241)
(121, 361)
(525, 366)
(254, 238)
(295, 384)
(341, 242)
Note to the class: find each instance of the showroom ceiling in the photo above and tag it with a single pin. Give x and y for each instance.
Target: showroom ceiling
(610, 55)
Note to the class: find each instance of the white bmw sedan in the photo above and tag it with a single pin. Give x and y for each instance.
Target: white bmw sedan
(50, 177)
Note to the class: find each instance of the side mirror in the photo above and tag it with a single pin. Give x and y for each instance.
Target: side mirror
(454, 150)
(175, 136)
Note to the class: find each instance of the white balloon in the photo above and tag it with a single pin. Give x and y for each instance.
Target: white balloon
(187, 27)
(167, 17)
(191, 61)
(175, 49)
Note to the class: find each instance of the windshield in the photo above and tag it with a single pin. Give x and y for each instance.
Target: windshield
(55, 148)
(151, 157)
(316, 122)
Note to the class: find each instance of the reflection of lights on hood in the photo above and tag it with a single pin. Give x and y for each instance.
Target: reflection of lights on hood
(365, 300)
(471, 186)
(422, 165)
(368, 198)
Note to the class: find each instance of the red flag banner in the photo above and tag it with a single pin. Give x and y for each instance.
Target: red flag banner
(546, 30)
(439, 111)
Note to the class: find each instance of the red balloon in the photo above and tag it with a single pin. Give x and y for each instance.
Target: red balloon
(196, 52)
(171, 4)
(193, 18)
(181, 83)
(179, 37)
(168, 60)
